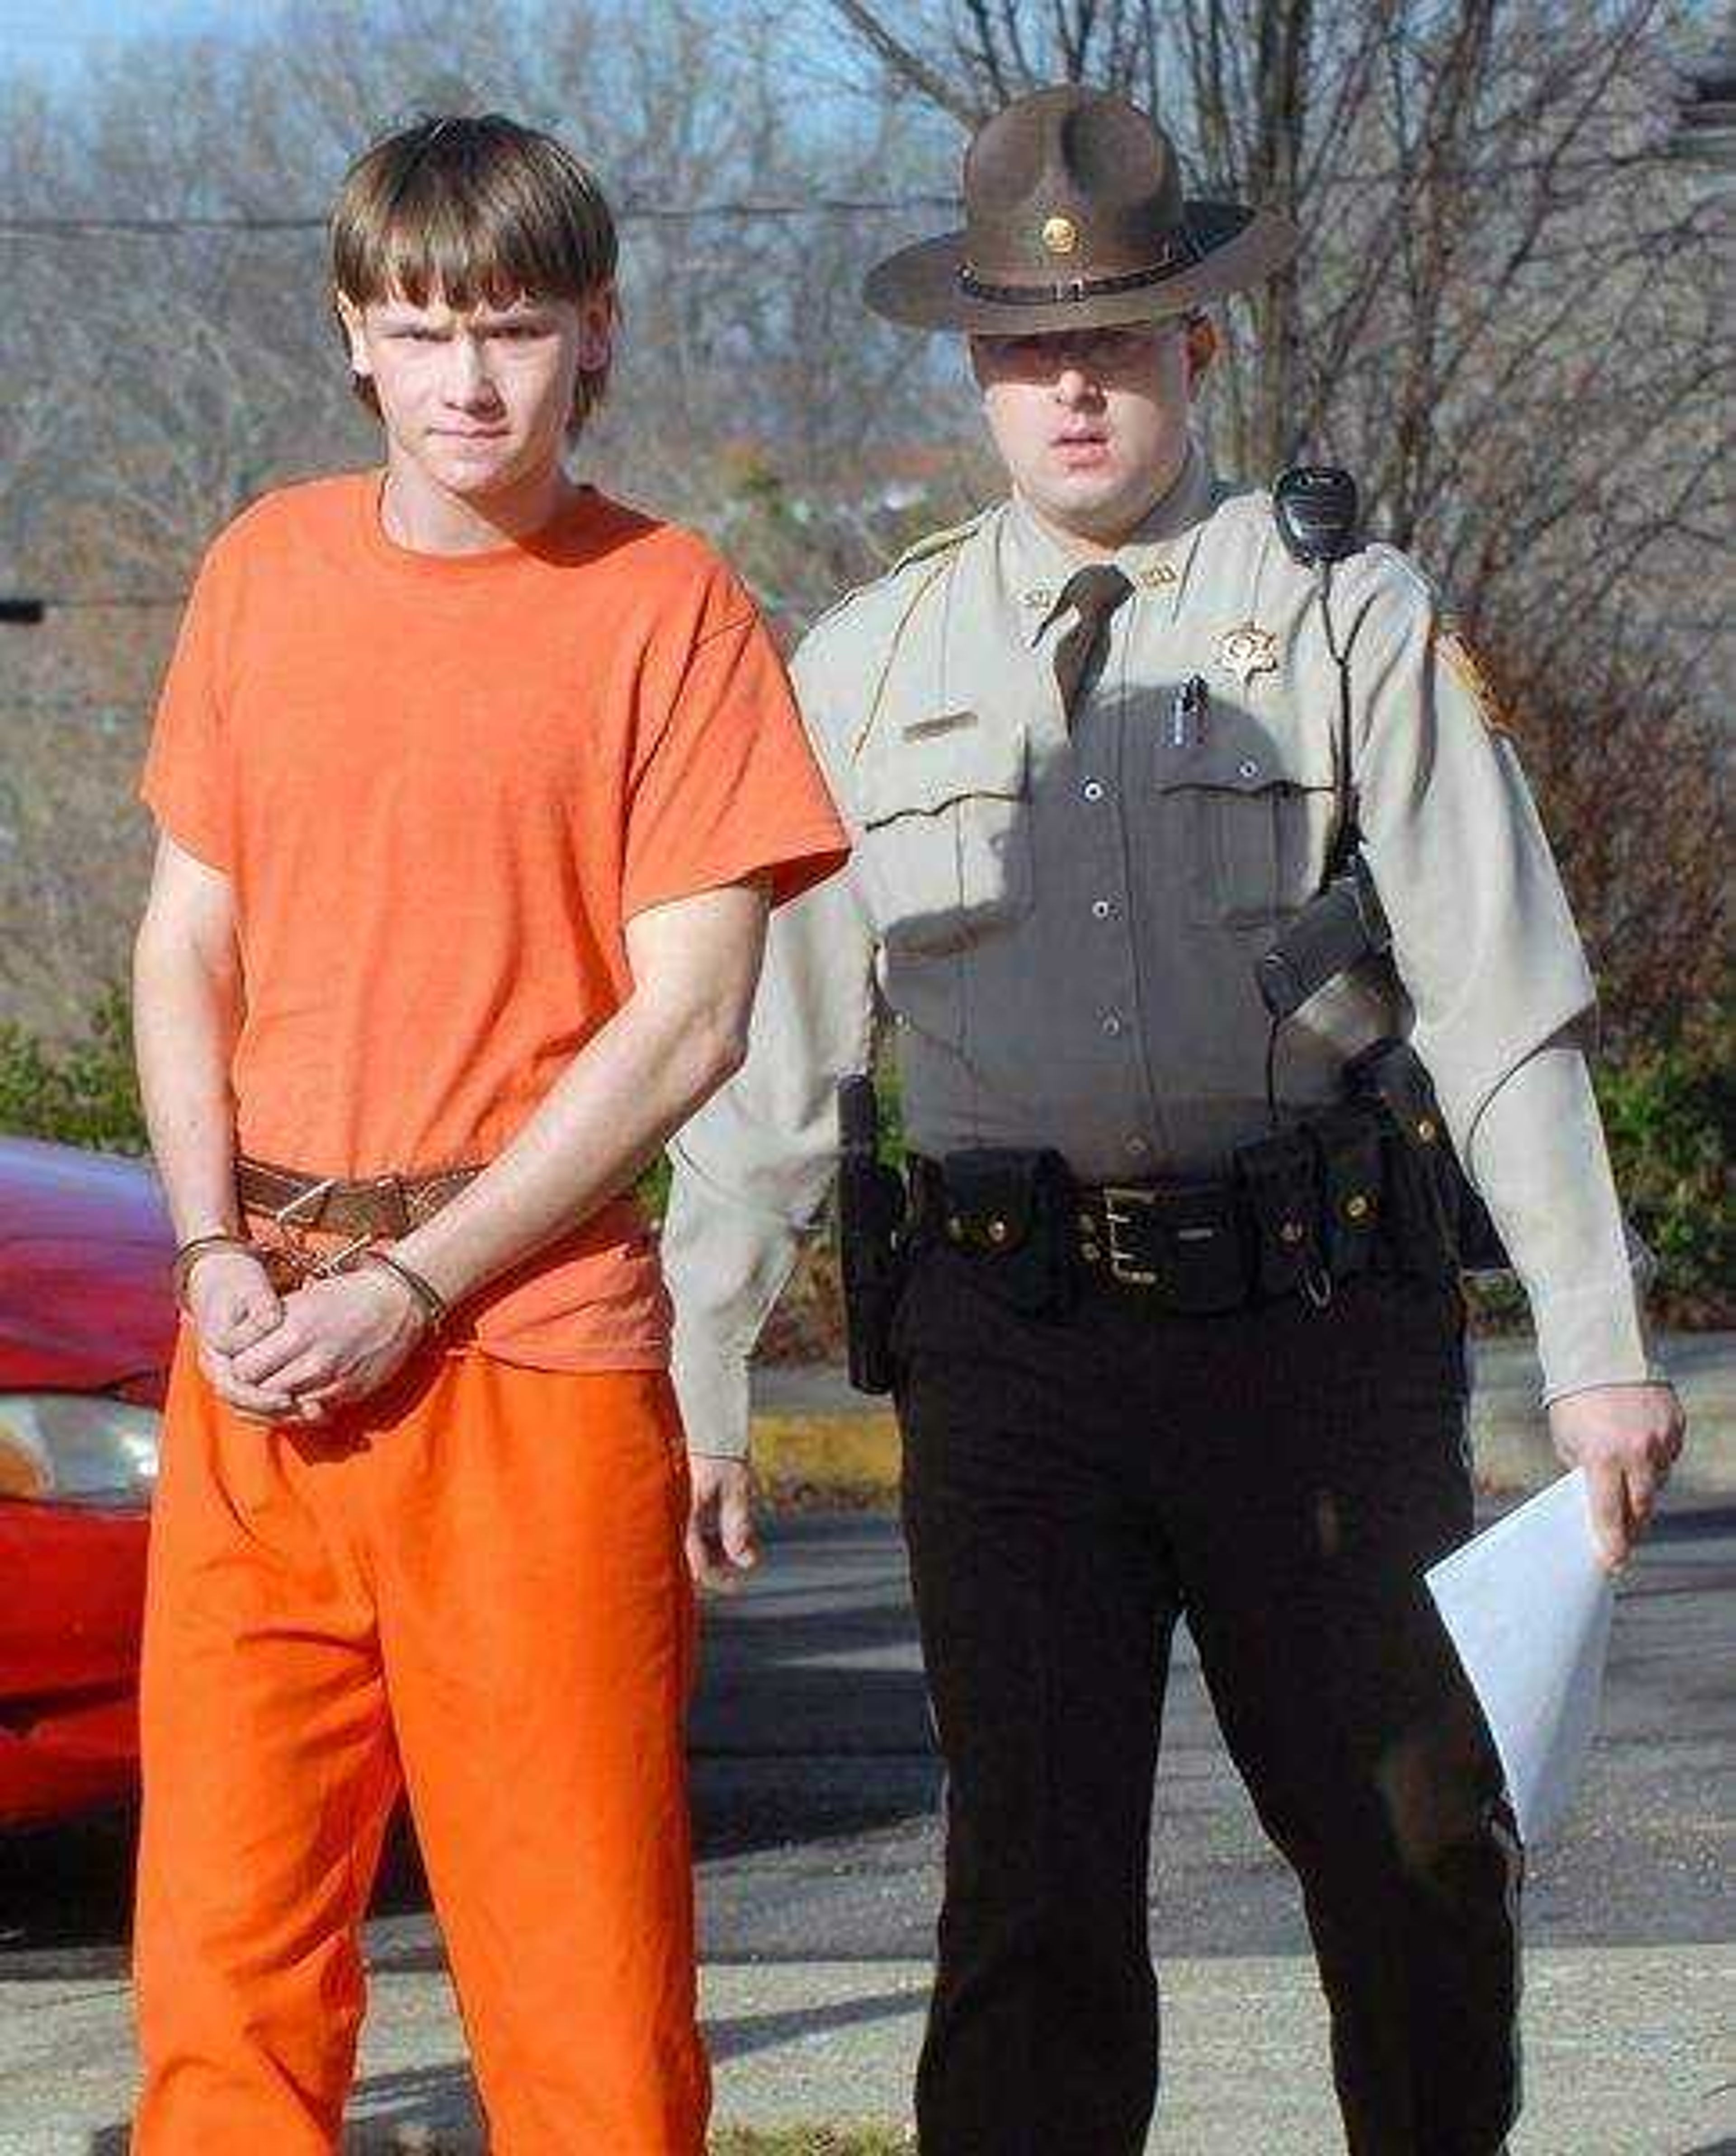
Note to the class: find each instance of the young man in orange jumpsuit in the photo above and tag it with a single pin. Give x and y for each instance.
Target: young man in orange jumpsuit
(474, 788)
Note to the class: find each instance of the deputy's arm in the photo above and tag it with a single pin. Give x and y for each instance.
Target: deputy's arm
(1486, 949)
(752, 1168)
(751, 1171)
(1539, 1157)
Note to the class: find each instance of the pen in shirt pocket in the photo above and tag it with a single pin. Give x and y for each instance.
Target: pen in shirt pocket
(1187, 713)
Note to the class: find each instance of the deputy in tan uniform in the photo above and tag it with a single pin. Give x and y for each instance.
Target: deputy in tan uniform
(1088, 744)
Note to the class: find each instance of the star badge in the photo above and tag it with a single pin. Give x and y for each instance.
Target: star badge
(1248, 650)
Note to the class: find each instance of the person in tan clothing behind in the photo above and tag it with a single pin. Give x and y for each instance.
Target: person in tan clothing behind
(1181, 1329)
(474, 788)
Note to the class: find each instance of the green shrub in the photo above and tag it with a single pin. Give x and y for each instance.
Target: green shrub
(85, 1094)
(1670, 1112)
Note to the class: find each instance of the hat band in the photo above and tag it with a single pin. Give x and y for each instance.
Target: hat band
(1179, 255)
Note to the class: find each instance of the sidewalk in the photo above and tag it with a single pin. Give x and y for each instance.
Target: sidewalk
(1628, 2053)
(812, 1434)
(815, 1710)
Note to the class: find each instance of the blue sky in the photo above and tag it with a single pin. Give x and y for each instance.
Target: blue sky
(51, 39)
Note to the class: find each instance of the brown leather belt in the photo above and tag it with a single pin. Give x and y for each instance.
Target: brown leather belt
(367, 1205)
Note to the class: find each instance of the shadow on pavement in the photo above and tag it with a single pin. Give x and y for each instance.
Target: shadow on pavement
(746, 2033)
(441, 2097)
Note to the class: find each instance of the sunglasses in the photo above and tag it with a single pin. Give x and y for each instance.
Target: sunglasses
(1042, 354)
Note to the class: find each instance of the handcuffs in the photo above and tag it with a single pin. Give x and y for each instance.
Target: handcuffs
(288, 1268)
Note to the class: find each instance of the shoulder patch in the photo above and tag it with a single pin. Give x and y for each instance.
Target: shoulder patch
(1456, 655)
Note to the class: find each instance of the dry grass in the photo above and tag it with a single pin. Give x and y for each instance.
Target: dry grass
(728, 2141)
(815, 2141)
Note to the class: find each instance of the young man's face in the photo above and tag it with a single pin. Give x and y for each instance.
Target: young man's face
(481, 399)
(1092, 424)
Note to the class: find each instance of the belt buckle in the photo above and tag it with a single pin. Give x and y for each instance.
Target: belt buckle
(336, 1262)
(308, 1263)
(288, 1215)
(390, 1188)
(1123, 1267)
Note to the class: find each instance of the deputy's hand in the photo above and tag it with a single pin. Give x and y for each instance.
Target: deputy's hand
(721, 1548)
(233, 1304)
(341, 1338)
(1626, 1438)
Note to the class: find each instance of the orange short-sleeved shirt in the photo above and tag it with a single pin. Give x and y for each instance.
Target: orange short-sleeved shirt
(440, 785)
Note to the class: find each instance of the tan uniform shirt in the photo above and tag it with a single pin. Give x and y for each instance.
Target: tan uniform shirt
(1062, 920)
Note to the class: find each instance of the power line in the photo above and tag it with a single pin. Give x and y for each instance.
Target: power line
(99, 228)
(1608, 161)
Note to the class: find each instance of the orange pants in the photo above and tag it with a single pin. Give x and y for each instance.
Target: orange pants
(470, 1585)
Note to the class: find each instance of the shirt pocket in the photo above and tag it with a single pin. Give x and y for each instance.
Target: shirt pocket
(946, 852)
(1246, 820)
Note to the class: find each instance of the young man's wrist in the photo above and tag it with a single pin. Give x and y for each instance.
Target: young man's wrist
(430, 1302)
(191, 1249)
(421, 1251)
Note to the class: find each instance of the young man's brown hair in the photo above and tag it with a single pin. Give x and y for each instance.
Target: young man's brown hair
(472, 211)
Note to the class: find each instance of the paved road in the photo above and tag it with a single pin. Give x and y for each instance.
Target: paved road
(816, 1793)
(816, 1787)
(817, 1790)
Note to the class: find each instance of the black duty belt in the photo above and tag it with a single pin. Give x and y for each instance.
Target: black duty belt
(1301, 1209)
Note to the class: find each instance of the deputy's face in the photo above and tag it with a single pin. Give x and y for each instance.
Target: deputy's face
(1092, 424)
(480, 398)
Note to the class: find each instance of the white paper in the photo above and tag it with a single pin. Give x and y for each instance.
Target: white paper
(1528, 1606)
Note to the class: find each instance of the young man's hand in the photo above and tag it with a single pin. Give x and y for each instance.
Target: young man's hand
(341, 1338)
(233, 1304)
(1626, 1438)
(720, 1547)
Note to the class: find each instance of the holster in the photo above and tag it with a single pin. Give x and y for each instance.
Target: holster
(1440, 1224)
(870, 1247)
(1480, 1248)
(1419, 1221)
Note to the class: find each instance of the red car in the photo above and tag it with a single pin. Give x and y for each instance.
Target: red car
(87, 1327)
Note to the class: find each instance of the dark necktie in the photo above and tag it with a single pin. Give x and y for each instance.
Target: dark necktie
(1095, 591)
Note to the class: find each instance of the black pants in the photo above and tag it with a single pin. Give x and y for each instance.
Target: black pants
(1282, 1476)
